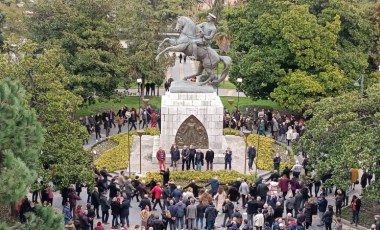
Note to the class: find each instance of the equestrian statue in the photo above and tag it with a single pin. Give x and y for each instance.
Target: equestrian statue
(194, 40)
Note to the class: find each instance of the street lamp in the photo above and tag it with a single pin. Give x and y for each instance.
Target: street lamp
(239, 80)
(246, 134)
(128, 115)
(140, 133)
(139, 81)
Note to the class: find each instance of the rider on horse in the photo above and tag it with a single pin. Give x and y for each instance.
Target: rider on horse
(208, 30)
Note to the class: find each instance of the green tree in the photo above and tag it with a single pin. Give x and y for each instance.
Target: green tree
(144, 26)
(63, 159)
(20, 142)
(286, 37)
(343, 133)
(87, 32)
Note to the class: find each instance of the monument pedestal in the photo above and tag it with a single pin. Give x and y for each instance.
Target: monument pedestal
(192, 114)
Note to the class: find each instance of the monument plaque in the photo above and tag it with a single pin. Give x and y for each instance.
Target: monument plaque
(192, 132)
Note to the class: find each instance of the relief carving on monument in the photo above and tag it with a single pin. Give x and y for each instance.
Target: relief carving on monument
(192, 132)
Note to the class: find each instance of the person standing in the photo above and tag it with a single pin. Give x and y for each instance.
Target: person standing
(180, 58)
(244, 191)
(192, 156)
(95, 201)
(322, 207)
(175, 155)
(185, 158)
(328, 217)
(364, 179)
(356, 203)
(210, 214)
(199, 160)
(251, 156)
(209, 159)
(276, 162)
(297, 169)
(201, 208)
(339, 203)
(184, 59)
(191, 214)
(160, 155)
(227, 158)
(105, 207)
(354, 177)
(120, 122)
(258, 220)
(173, 213)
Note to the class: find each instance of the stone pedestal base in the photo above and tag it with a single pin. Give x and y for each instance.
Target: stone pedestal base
(177, 107)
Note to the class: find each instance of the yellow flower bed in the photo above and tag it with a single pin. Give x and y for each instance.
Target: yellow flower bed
(265, 152)
(117, 158)
(229, 131)
(226, 177)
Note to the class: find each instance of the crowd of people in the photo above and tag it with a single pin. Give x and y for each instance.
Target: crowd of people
(282, 128)
(133, 118)
(284, 201)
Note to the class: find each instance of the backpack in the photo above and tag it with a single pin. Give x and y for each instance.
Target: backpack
(168, 215)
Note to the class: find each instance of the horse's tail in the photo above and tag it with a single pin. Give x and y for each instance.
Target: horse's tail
(227, 63)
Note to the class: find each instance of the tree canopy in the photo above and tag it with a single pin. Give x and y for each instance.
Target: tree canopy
(325, 45)
(63, 159)
(343, 133)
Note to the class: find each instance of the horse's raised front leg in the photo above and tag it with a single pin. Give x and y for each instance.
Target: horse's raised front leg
(177, 48)
(161, 44)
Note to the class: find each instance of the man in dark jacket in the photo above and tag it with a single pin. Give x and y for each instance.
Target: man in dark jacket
(322, 207)
(113, 189)
(214, 185)
(192, 156)
(262, 190)
(173, 213)
(228, 210)
(201, 208)
(251, 157)
(210, 214)
(124, 214)
(194, 187)
(175, 156)
(95, 201)
(144, 202)
(185, 154)
(105, 207)
(209, 159)
(252, 207)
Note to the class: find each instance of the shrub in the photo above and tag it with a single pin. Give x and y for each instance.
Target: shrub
(226, 177)
(265, 152)
(229, 131)
(116, 158)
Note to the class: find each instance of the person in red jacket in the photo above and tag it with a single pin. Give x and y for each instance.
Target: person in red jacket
(283, 183)
(156, 193)
(99, 226)
(161, 155)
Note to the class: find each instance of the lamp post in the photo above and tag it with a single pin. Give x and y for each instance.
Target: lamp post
(140, 133)
(128, 115)
(239, 80)
(139, 81)
(246, 134)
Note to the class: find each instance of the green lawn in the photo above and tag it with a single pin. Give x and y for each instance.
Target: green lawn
(133, 102)
(226, 85)
(245, 101)
(115, 104)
